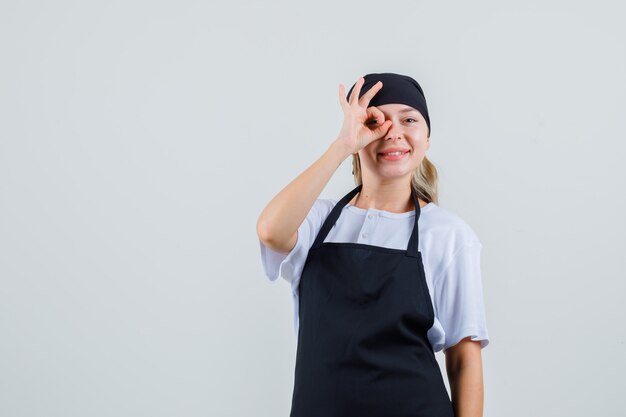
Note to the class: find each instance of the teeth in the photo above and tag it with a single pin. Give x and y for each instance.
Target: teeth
(394, 153)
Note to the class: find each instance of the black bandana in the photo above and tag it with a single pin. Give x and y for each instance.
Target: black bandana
(396, 88)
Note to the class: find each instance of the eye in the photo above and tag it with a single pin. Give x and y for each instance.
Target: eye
(371, 121)
(410, 118)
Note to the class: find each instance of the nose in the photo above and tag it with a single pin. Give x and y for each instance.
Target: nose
(392, 133)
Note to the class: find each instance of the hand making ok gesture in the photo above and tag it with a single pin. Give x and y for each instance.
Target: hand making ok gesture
(359, 129)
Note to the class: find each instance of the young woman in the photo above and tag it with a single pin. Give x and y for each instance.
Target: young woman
(376, 292)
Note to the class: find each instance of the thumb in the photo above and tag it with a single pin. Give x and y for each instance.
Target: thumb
(382, 129)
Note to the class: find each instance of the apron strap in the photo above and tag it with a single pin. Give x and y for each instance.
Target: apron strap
(333, 216)
(412, 249)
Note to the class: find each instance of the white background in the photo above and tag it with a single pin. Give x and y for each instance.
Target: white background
(140, 140)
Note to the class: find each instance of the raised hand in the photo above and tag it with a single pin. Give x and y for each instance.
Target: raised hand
(359, 129)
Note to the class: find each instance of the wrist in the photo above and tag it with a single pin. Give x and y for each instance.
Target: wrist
(339, 150)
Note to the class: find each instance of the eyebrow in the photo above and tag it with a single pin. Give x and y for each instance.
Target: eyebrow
(406, 110)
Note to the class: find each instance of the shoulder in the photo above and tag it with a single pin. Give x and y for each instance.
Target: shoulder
(325, 203)
(319, 211)
(447, 226)
(323, 206)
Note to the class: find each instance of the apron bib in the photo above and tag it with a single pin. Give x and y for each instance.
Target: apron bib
(364, 313)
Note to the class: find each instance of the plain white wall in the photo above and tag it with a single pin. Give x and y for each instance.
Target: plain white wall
(140, 140)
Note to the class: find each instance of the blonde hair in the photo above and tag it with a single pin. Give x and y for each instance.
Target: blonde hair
(424, 180)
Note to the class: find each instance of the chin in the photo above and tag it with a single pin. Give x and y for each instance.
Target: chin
(393, 173)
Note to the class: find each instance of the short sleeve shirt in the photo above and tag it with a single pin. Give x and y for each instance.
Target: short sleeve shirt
(450, 252)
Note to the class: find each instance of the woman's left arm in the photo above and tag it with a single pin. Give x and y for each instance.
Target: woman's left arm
(465, 374)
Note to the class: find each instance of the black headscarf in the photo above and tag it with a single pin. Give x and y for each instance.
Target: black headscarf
(396, 88)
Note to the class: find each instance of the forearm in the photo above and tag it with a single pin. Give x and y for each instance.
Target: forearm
(467, 392)
(287, 210)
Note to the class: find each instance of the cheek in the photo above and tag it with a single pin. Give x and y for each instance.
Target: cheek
(368, 150)
(419, 150)
(420, 145)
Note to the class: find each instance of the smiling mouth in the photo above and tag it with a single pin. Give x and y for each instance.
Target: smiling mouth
(393, 156)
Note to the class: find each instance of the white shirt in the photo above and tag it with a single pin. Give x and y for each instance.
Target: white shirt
(450, 253)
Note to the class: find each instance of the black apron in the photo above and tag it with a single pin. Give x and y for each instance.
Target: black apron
(362, 350)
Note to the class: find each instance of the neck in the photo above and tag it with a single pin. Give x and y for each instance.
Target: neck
(394, 197)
